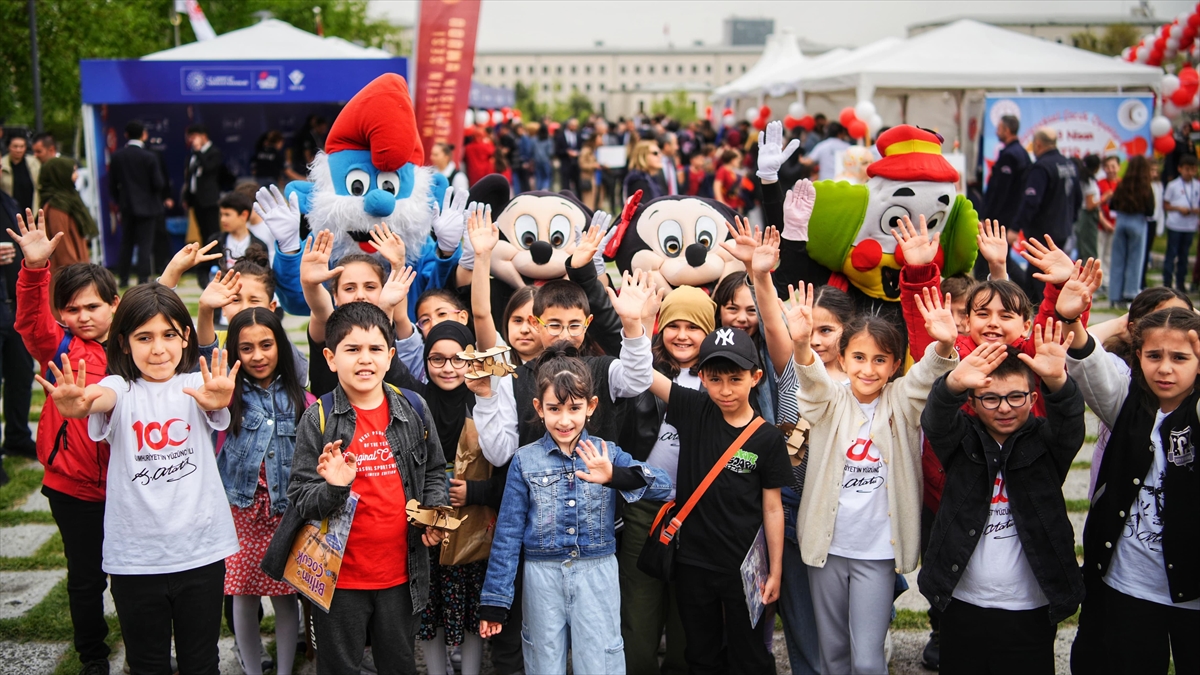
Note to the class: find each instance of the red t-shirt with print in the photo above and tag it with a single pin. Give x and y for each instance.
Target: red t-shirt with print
(377, 549)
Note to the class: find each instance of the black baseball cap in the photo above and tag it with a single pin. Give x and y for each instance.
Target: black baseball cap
(734, 344)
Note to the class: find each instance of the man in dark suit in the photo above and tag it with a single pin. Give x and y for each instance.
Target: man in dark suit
(566, 148)
(201, 181)
(1005, 186)
(136, 184)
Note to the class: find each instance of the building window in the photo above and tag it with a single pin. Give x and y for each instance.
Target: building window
(545, 70)
(708, 69)
(601, 86)
(558, 70)
(602, 70)
(516, 70)
(637, 70)
(489, 70)
(573, 69)
(587, 70)
(545, 87)
(666, 69)
(641, 106)
(622, 70)
(743, 67)
(679, 69)
(624, 87)
(650, 69)
(574, 87)
(587, 87)
(502, 70)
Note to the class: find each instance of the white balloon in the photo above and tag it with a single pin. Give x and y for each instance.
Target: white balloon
(469, 118)
(728, 120)
(864, 110)
(874, 123)
(1143, 54)
(1125, 53)
(1159, 126)
(1169, 84)
(497, 117)
(751, 114)
(1172, 44)
(481, 116)
(796, 110)
(1170, 109)
(1176, 30)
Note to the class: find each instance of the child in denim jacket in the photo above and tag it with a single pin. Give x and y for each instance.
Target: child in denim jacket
(558, 507)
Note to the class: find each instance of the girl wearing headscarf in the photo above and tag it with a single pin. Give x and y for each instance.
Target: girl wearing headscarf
(65, 213)
(452, 616)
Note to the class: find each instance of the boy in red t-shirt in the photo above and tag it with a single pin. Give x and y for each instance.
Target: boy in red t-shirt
(391, 454)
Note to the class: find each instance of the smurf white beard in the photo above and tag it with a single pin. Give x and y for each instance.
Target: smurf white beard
(412, 218)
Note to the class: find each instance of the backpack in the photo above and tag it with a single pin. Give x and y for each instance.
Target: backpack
(63, 347)
(411, 396)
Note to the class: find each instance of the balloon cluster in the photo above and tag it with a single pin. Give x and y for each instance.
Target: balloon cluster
(1163, 134)
(797, 117)
(1180, 92)
(491, 117)
(861, 119)
(727, 118)
(758, 117)
(1171, 39)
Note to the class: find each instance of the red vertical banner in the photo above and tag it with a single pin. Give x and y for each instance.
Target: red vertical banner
(445, 58)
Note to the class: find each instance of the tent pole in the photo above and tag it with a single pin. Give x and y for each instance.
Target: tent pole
(37, 70)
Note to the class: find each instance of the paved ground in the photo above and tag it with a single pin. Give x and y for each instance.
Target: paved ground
(32, 577)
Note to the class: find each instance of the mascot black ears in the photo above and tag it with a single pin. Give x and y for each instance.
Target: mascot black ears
(677, 240)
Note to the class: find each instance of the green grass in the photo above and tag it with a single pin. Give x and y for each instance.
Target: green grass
(1090, 438)
(1084, 466)
(1079, 551)
(910, 619)
(1078, 505)
(49, 556)
(23, 480)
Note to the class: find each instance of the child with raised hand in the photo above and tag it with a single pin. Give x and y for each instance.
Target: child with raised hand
(992, 241)
(558, 511)
(744, 497)
(254, 457)
(167, 526)
(860, 514)
(1141, 561)
(185, 259)
(392, 454)
(1001, 559)
(357, 278)
(85, 297)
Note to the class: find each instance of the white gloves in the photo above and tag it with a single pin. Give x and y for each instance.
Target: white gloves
(771, 153)
(604, 222)
(467, 260)
(450, 221)
(281, 216)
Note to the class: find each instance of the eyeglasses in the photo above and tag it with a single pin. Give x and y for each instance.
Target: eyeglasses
(1016, 399)
(555, 328)
(654, 152)
(439, 361)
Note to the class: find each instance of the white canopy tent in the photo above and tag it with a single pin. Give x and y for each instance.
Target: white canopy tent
(782, 80)
(781, 54)
(271, 40)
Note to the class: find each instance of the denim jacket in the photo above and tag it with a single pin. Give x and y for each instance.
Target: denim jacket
(268, 434)
(554, 516)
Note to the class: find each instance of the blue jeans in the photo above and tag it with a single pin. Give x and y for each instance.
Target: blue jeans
(1128, 252)
(795, 605)
(541, 175)
(1176, 264)
(578, 607)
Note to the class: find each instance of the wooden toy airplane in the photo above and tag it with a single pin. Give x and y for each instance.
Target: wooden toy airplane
(441, 517)
(484, 364)
(797, 440)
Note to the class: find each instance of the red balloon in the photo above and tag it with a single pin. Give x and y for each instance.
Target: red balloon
(857, 129)
(1164, 144)
(726, 112)
(1182, 96)
(761, 123)
(1135, 146)
(708, 112)
(1160, 43)
(790, 122)
(808, 122)
(1194, 19)
(764, 111)
(1188, 77)
(847, 117)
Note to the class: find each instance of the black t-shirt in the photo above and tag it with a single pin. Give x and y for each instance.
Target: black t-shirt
(719, 531)
(268, 163)
(322, 380)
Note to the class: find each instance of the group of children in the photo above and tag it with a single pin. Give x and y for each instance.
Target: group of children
(181, 463)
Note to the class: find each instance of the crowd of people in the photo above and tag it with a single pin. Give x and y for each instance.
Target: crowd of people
(859, 446)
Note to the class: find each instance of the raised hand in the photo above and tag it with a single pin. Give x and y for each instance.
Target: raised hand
(221, 290)
(599, 465)
(388, 243)
(744, 242)
(766, 254)
(797, 209)
(395, 290)
(450, 220)
(771, 153)
(636, 291)
(939, 320)
(481, 231)
(588, 246)
(337, 468)
(974, 371)
(1077, 293)
(217, 390)
(477, 212)
(1055, 265)
(35, 244)
(603, 222)
(185, 259)
(799, 313)
(281, 216)
(915, 245)
(70, 394)
(1049, 361)
(314, 264)
(993, 242)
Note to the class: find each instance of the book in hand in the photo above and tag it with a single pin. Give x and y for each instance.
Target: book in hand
(755, 570)
(317, 552)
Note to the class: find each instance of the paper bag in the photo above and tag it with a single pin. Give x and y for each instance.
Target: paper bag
(472, 541)
(316, 556)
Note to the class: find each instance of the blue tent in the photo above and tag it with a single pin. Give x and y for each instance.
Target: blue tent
(239, 85)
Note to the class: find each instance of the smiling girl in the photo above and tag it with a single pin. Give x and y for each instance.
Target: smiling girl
(167, 524)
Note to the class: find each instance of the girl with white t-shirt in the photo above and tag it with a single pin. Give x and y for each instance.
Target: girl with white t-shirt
(1141, 556)
(167, 524)
(860, 513)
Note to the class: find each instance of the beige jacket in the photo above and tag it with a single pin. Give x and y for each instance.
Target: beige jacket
(835, 418)
(6, 177)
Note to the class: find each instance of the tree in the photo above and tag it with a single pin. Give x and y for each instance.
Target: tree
(676, 106)
(525, 100)
(70, 30)
(1115, 39)
(578, 105)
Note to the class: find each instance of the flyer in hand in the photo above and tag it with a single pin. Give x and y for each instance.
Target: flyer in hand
(755, 570)
(316, 556)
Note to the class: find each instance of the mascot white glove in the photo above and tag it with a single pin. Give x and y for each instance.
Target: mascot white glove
(601, 220)
(450, 221)
(797, 210)
(467, 260)
(281, 216)
(771, 153)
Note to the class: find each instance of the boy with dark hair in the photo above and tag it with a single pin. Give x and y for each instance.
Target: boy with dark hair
(391, 455)
(235, 236)
(722, 527)
(1001, 558)
(86, 298)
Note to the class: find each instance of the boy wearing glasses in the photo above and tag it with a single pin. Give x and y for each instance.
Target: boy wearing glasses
(1001, 561)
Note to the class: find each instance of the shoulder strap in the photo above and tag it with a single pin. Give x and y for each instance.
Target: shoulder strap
(415, 401)
(669, 531)
(64, 346)
(326, 400)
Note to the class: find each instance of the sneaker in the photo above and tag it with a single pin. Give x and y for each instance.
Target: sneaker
(97, 667)
(931, 655)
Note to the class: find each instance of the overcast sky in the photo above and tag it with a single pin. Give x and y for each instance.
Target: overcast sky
(640, 23)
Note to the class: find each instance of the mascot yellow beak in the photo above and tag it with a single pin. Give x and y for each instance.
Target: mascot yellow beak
(874, 272)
